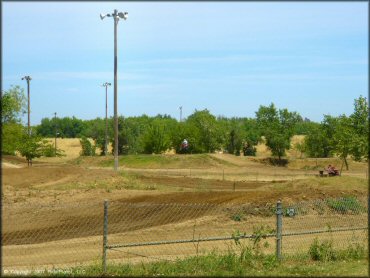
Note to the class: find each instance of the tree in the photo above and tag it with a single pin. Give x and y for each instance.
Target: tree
(178, 133)
(343, 138)
(360, 124)
(88, 149)
(95, 129)
(316, 144)
(236, 136)
(277, 126)
(13, 106)
(67, 127)
(11, 134)
(46, 128)
(130, 131)
(304, 127)
(251, 138)
(204, 132)
(33, 146)
(156, 138)
(30, 147)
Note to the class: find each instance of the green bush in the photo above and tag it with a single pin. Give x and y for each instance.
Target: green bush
(87, 148)
(48, 150)
(322, 251)
(249, 150)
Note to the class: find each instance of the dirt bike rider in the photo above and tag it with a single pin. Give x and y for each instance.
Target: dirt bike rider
(184, 146)
(332, 171)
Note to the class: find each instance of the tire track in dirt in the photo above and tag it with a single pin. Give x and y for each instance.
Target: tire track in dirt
(126, 214)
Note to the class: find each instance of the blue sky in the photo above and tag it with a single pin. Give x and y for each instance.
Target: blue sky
(227, 57)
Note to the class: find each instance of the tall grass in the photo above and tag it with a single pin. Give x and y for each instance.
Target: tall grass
(243, 260)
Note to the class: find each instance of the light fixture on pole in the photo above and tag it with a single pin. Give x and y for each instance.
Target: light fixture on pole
(106, 84)
(116, 16)
(28, 79)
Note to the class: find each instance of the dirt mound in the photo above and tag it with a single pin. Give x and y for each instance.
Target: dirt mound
(50, 175)
(13, 158)
(272, 161)
(198, 183)
(9, 165)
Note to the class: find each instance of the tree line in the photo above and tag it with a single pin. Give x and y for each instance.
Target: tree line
(343, 136)
(205, 132)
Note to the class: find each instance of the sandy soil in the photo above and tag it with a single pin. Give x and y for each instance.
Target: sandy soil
(53, 211)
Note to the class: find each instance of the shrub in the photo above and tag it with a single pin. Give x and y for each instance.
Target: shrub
(48, 150)
(354, 251)
(237, 217)
(322, 251)
(249, 150)
(87, 148)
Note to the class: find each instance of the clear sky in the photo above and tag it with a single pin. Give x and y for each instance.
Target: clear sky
(227, 57)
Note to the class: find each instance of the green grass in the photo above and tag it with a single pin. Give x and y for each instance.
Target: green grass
(167, 161)
(242, 261)
(226, 265)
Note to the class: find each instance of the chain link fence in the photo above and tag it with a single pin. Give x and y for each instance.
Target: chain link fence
(60, 236)
(342, 222)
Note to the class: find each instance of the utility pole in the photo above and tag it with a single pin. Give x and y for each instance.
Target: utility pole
(106, 84)
(116, 16)
(180, 113)
(56, 133)
(28, 79)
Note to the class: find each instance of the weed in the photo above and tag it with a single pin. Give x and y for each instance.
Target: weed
(319, 207)
(270, 262)
(255, 249)
(345, 205)
(322, 251)
(237, 217)
(354, 251)
(259, 233)
(236, 236)
(230, 264)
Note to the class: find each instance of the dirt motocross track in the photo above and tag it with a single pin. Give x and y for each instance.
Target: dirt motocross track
(29, 187)
(57, 202)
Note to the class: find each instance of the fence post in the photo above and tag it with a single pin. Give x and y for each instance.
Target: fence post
(105, 236)
(279, 226)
